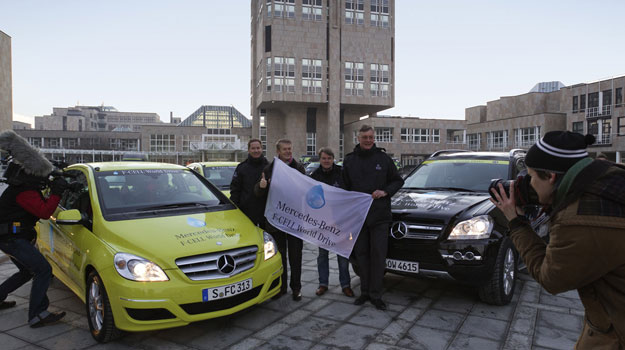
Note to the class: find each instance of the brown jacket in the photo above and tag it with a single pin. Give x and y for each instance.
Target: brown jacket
(586, 251)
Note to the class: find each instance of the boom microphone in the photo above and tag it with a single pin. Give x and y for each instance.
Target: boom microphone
(33, 162)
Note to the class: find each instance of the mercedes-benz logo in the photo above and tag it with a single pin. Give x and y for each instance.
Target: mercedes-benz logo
(226, 264)
(399, 230)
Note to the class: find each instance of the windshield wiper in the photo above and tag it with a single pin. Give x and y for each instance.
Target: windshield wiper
(173, 206)
(448, 188)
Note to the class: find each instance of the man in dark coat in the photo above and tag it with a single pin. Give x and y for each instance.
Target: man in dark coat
(287, 244)
(586, 249)
(330, 174)
(370, 170)
(246, 175)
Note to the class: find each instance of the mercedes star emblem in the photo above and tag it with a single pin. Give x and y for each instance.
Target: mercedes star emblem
(226, 264)
(399, 230)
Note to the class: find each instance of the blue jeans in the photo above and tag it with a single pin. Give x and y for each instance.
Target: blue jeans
(31, 264)
(323, 266)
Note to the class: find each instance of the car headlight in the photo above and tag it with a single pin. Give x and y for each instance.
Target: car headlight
(270, 245)
(475, 228)
(137, 268)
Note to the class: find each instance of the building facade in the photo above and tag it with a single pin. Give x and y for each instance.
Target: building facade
(519, 121)
(318, 65)
(94, 118)
(410, 140)
(6, 83)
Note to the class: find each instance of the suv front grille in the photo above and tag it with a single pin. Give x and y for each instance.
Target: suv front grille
(427, 231)
(205, 266)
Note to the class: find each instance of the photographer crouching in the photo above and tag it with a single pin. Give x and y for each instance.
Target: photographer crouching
(585, 199)
(22, 204)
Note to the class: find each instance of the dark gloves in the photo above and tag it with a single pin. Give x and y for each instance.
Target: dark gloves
(58, 185)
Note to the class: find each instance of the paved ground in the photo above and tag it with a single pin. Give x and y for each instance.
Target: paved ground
(422, 314)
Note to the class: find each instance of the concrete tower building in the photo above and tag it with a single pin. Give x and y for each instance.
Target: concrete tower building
(316, 65)
(6, 84)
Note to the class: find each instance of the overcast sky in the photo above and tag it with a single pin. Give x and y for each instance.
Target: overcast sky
(161, 56)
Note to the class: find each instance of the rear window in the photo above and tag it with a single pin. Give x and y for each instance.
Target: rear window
(470, 174)
(220, 176)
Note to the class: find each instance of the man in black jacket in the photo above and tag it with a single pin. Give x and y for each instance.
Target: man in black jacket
(246, 175)
(330, 174)
(370, 170)
(286, 242)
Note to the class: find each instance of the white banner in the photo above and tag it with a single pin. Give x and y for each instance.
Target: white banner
(321, 214)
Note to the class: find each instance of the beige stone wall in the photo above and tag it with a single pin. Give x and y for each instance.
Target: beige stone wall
(6, 83)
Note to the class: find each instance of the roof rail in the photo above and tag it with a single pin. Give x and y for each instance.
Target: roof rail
(517, 150)
(437, 153)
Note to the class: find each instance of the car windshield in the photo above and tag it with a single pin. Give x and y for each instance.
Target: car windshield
(469, 174)
(220, 176)
(126, 191)
(310, 168)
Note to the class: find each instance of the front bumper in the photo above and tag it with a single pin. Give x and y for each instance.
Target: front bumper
(142, 306)
(469, 262)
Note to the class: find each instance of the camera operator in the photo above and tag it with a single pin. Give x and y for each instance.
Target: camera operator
(585, 199)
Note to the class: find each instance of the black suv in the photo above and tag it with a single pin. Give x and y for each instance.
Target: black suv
(445, 226)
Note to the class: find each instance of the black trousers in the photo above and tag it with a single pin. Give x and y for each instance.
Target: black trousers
(291, 246)
(370, 255)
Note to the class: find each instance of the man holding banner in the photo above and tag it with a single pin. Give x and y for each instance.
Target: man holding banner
(370, 170)
(287, 244)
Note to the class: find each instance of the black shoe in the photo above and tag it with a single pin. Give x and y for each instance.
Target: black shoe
(379, 304)
(51, 318)
(7, 304)
(297, 295)
(362, 299)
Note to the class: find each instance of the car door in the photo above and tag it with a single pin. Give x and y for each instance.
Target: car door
(67, 240)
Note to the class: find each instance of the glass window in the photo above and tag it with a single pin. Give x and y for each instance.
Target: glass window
(220, 176)
(379, 79)
(621, 125)
(354, 11)
(354, 78)
(618, 96)
(312, 10)
(383, 134)
(379, 13)
(311, 76)
(474, 141)
(497, 139)
(575, 100)
(582, 102)
(311, 143)
(281, 8)
(283, 69)
(436, 135)
(578, 127)
(162, 143)
(526, 137)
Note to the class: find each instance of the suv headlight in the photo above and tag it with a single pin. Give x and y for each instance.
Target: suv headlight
(270, 245)
(136, 268)
(475, 228)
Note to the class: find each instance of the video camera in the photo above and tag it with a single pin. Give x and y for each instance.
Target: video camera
(524, 193)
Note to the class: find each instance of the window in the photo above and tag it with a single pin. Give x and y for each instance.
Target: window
(263, 130)
(355, 11)
(593, 100)
(52, 142)
(267, 38)
(526, 137)
(281, 8)
(618, 97)
(379, 13)
(311, 76)
(188, 139)
(162, 143)
(411, 135)
(379, 80)
(283, 74)
(383, 134)
(311, 143)
(601, 128)
(497, 139)
(607, 97)
(582, 102)
(578, 127)
(312, 10)
(621, 126)
(341, 145)
(436, 136)
(575, 100)
(354, 78)
(474, 141)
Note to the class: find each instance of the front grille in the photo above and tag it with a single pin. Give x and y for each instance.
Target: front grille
(221, 304)
(150, 314)
(416, 230)
(204, 266)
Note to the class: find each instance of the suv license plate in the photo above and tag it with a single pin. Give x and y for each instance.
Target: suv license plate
(404, 266)
(226, 291)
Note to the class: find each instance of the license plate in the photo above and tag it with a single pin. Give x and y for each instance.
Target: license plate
(404, 266)
(226, 291)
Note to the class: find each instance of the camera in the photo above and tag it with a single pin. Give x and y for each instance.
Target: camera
(524, 193)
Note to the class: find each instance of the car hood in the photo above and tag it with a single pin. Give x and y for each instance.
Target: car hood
(437, 205)
(165, 239)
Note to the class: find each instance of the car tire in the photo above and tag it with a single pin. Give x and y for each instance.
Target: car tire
(99, 313)
(500, 287)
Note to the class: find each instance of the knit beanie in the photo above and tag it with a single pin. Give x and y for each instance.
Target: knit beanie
(557, 151)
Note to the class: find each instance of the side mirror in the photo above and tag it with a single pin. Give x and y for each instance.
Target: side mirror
(69, 217)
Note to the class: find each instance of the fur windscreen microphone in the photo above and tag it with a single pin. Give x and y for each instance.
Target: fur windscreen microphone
(33, 162)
